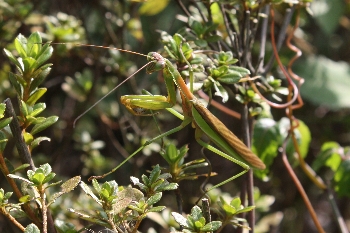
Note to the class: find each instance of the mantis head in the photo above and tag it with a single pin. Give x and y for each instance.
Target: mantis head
(157, 62)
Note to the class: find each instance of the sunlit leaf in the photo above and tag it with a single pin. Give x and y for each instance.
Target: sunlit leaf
(153, 7)
(327, 81)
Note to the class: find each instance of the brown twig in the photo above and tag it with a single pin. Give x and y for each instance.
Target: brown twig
(219, 106)
(307, 169)
(300, 188)
(21, 146)
(26, 157)
(289, 112)
(12, 219)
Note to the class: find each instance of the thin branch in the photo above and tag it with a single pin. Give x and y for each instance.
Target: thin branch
(281, 36)
(183, 8)
(227, 26)
(22, 147)
(219, 106)
(263, 36)
(249, 178)
(12, 219)
(300, 188)
(18, 193)
(340, 221)
(246, 38)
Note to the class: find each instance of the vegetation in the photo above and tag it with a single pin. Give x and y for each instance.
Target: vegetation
(241, 58)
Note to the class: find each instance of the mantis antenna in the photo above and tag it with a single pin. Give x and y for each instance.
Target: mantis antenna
(116, 87)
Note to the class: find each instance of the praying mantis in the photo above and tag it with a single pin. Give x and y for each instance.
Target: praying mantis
(194, 113)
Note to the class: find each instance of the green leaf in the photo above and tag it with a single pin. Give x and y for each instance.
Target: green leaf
(328, 156)
(34, 44)
(241, 70)
(153, 7)
(25, 199)
(44, 56)
(37, 109)
(96, 185)
(199, 224)
(64, 227)
(212, 39)
(246, 209)
(154, 199)
(89, 192)
(266, 141)
(38, 178)
(170, 154)
(36, 95)
(212, 226)
(236, 202)
(305, 138)
(7, 195)
(37, 141)
(39, 76)
(24, 108)
(20, 178)
(327, 14)
(2, 110)
(13, 79)
(217, 72)
(230, 210)
(21, 167)
(45, 124)
(196, 26)
(35, 120)
(21, 45)
(31, 228)
(49, 177)
(45, 168)
(230, 78)
(66, 187)
(5, 122)
(29, 64)
(342, 179)
(70, 184)
(12, 58)
(153, 177)
(3, 143)
(125, 197)
(28, 138)
(327, 81)
(196, 212)
(157, 209)
(171, 186)
(181, 220)
(88, 217)
(220, 91)
(201, 43)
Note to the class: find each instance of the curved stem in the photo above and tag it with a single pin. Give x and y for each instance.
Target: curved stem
(43, 207)
(300, 189)
(12, 219)
(219, 106)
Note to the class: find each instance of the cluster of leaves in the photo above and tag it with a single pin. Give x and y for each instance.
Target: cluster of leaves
(196, 51)
(31, 73)
(122, 205)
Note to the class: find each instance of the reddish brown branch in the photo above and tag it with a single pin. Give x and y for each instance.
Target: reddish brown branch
(300, 189)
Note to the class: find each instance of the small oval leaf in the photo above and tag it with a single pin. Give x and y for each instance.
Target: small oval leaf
(43, 125)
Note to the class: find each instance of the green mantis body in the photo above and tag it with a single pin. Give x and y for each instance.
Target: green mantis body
(204, 122)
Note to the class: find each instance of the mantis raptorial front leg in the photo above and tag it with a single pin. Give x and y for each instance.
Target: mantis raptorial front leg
(204, 122)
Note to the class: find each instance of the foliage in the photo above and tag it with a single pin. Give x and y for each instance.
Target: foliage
(222, 49)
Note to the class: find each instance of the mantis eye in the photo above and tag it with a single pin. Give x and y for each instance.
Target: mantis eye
(157, 64)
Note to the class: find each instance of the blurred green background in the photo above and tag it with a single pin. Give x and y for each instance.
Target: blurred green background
(107, 134)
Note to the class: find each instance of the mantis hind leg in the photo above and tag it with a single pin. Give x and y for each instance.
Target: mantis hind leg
(174, 130)
(224, 155)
